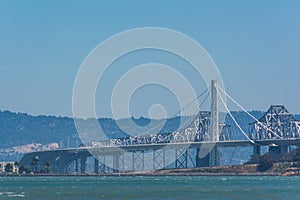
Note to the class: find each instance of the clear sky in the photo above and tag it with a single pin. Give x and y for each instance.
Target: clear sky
(255, 44)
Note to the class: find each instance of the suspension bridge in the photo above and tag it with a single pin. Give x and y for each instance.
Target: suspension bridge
(196, 143)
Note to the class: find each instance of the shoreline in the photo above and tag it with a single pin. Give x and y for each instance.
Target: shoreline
(153, 174)
(278, 169)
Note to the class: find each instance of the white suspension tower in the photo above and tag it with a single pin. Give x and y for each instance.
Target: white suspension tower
(214, 155)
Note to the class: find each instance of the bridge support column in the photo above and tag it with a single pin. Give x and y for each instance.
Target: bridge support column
(76, 165)
(83, 160)
(101, 160)
(256, 149)
(62, 164)
(122, 162)
(214, 157)
(68, 165)
(138, 160)
(117, 165)
(159, 161)
(199, 161)
(181, 156)
(96, 166)
(210, 160)
(203, 161)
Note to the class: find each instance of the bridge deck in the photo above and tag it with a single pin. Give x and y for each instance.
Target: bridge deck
(109, 150)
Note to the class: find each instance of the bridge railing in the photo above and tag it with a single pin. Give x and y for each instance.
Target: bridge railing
(188, 135)
(176, 137)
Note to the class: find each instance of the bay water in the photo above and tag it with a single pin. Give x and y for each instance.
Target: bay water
(150, 187)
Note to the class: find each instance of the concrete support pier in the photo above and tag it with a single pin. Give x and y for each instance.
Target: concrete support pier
(256, 149)
(96, 166)
(76, 165)
(83, 160)
(210, 160)
(116, 163)
(214, 157)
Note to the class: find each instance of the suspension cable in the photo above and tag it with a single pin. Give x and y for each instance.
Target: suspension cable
(256, 120)
(175, 114)
(197, 115)
(234, 118)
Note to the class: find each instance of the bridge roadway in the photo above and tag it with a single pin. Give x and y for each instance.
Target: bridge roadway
(60, 158)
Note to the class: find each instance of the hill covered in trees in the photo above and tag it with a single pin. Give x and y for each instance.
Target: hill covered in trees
(18, 129)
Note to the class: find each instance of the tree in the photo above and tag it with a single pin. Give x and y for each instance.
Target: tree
(32, 166)
(24, 169)
(47, 166)
(34, 163)
(16, 164)
(296, 157)
(255, 158)
(265, 163)
(8, 167)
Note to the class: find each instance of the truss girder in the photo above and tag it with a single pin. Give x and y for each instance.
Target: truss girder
(277, 123)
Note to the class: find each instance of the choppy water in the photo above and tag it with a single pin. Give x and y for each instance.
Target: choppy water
(185, 187)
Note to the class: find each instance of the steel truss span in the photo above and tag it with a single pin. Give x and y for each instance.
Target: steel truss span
(277, 123)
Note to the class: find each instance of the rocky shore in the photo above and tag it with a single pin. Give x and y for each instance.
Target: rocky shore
(278, 169)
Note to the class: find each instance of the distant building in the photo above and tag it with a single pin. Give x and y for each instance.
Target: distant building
(13, 167)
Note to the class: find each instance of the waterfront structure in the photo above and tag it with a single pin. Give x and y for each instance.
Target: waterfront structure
(9, 167)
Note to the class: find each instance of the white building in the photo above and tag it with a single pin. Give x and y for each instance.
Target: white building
(15, 168)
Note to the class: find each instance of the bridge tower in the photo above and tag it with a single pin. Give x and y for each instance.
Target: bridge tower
(213, 157)
(214, 130)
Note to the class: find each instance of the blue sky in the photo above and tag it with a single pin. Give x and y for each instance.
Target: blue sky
(255, 44)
